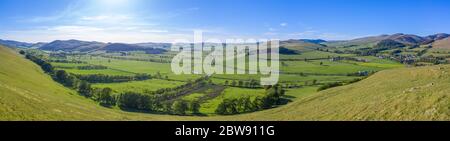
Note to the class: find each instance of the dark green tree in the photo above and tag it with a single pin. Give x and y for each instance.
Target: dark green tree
(180, 107)
(195, 107)
(85, 89)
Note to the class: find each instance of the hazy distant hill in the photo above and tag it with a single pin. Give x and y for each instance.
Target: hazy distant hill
(72, 45)
(406, 39)
(302, 45)
(439, 36)
(115, 47)
(38, 45)
(11, 43)
(155, 45)
(289, 46)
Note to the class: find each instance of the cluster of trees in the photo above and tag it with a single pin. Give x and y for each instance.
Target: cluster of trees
(101, 78)
(243, 84)
(272, 97)
(381, 46)
(161, 100)
(434, 60)
(103, 96)
(92, 67)
(181, 107)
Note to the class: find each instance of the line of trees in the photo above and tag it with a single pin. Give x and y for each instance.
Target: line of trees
(101, 78)
(68, 61)
(155, 101)
(272, 97)
(337, 84)
(92, 67)
(47, 67)
(161, 100)
(103, 96)
(161, 60)
(243, 84)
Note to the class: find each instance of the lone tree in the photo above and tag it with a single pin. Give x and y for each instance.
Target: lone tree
(195, 107)
(180, 107)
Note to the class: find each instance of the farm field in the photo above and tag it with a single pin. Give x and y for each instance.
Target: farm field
(138, 86)
(302, 99)
(298, 77)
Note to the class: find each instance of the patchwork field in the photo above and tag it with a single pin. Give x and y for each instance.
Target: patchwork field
(408, 94)
(298, 76)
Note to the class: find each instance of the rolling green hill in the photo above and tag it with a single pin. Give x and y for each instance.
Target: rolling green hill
(26, 93)
(400, 94)
(442, 44)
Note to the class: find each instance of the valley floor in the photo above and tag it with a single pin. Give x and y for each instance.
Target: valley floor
(422, 93)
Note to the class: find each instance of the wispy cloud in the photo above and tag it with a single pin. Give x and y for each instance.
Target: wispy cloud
(314, 34)
(68, 12)
(154, 31)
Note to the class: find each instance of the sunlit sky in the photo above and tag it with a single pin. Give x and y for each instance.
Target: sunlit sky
(133, 21)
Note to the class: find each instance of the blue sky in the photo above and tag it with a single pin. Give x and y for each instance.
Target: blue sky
(134, 21)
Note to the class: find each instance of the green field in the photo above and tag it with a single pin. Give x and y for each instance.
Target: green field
(299, 75)
(210, 106)
(328, 67)
(400, 94)
(139, 86)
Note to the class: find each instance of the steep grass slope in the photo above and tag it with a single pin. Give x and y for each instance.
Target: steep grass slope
(26, 93)
(400, 94)
(442, 44)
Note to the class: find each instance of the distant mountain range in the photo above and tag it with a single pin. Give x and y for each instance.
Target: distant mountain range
(440, 40)
(72, 45)
(11, 43)
(406, 39)
(116, 47)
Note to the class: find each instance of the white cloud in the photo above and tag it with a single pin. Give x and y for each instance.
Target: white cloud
(95, 18)
(283, 24)
(154, 31)
(75, 29)
(304, 33)
(312, 34)
(92, 34)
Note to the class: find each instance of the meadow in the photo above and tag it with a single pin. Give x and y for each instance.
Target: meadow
(298, 76)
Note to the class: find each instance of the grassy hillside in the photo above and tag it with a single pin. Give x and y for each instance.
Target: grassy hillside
(400, 94)
(26, 93)
(442, 44)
